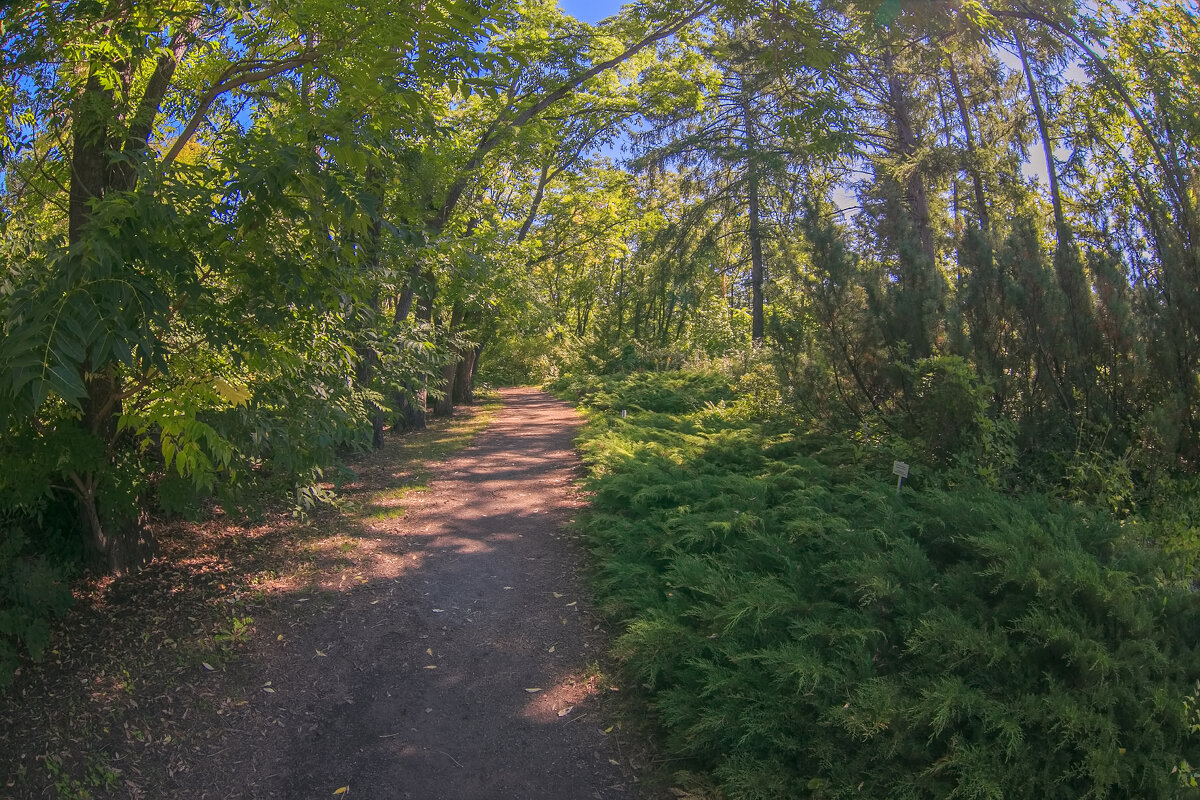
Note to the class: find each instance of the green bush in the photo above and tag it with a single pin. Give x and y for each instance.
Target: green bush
(664, 392)
(805, 631)
(32, 593)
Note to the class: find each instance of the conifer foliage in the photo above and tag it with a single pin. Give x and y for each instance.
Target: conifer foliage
(805, 630)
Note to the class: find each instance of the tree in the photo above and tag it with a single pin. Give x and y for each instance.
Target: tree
(100, 299)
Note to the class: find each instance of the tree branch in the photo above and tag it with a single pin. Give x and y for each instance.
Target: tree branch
(495, 133)
(232, 78)
(141, 124)
(1116, 84)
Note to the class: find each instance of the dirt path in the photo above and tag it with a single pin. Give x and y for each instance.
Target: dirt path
(414, 675)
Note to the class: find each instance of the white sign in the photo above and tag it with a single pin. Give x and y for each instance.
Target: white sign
(900, 468)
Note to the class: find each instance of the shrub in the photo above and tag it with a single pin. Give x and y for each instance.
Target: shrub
(32, 593)
(664, 392)
(805, 631)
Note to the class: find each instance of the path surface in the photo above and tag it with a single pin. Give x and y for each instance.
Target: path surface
(413, 680)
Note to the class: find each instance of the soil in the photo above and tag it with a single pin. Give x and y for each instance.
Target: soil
(428, 644)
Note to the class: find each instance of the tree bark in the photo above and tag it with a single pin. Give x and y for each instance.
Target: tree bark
(972, 160)
(754, 232)
(919, 279)
(909, 143)
(368, 358)
(1068, 269)
(444, 407)
(1039, 113)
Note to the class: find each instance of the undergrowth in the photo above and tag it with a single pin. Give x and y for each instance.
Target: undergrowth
(803, 630)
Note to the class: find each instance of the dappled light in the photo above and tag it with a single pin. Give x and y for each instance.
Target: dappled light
(264, 265)
(379, 650)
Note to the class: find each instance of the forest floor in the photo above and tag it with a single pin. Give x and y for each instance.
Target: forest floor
(430, 638)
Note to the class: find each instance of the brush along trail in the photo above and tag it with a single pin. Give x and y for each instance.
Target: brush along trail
(420, 642)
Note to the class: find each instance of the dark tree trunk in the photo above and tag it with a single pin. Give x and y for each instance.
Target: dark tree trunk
(464, 382)
(909, 142)
(1068, 267)
(368, 358)
(972, 160)
(919, 280)
(1039, 113)
(445, 404)
(543, 179)
(89, 167)
(754, 232)
(107, 140)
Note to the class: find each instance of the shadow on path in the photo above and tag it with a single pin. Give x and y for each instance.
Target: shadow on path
(411, 676)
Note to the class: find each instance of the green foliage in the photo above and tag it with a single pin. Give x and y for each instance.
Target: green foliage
(806, 631)
(33, 592)
(664, 392)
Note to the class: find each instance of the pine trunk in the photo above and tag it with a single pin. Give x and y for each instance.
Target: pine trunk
(754, 232)
(972, 160)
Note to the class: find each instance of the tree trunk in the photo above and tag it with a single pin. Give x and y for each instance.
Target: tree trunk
(368, 358)
(919, 285)
(1068, 267)
(754, 233)
(89, 179)
(445, 404)
(909, 143)
(108, 138)
(543, 179)
(464, 383)
(1039, 113)
(972, 160)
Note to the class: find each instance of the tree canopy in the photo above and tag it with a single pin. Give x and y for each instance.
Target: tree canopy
(245, 238)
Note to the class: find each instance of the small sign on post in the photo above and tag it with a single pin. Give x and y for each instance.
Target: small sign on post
(900, 470)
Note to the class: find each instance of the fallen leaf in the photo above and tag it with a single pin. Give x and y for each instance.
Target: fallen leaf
(429, 651)
(536, 689)
(432, 666)
(608, 729)
(573, 602)
(268, 689)
(279, 638)
(206, 665)
(342, 790)
(562, 712)
(551, 650)
(557, 595)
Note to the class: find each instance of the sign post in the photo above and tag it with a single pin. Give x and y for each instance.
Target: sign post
(900, 470)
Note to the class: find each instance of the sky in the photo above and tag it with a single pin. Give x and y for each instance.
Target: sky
(590, 10)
